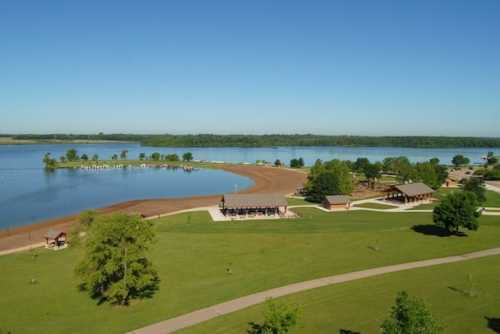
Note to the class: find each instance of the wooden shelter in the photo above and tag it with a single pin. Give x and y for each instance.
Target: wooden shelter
(337, 202)
(56, 239)
(253, 204)
(411, 192)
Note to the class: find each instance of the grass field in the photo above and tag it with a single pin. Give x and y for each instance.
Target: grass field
(379, 206)
(492, 199)
(299, 201)
(193, 254)
(362, 305)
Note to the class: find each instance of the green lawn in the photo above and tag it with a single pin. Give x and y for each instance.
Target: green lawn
(192, 255)
(362, 305)
(492, 199)
(370, 205)
(299, 201)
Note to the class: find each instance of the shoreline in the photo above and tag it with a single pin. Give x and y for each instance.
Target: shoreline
(266, 180)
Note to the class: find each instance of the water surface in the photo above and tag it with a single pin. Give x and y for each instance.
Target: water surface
(29, 194)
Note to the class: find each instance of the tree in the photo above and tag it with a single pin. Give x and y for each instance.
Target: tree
(457, 210)
(297, 163)
(330, 178)
(410, 316)
(71, 155)
(459, 160)
(123, 154)
(142, 156)
(172, 157)
(62, 159)
(475, 185)
(431, 174)
(84, 157)
(114, 157)
(277, 163)
(155, 156)
(188, 156)
(361, 164)
(278, 319)
(49, 162)
(372, 173)
(95, 157)
(434, 161)
(115, 267)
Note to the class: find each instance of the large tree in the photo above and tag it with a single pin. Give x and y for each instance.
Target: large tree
(49, 162)
(475, 185)
(188, 156)
(329, 178)
(372, 172)
(459, 160)
(457, 210)
(72, 155)
(115, 266)
(431, 173)
(361, 164)
(297, 163)
(410, 316)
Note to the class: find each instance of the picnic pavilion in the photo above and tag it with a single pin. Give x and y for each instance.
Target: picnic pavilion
(409, 193)
(253, 204)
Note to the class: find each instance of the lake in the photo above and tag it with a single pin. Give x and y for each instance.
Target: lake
(29, 194)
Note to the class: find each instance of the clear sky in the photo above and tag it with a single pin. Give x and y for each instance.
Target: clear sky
(326, 67)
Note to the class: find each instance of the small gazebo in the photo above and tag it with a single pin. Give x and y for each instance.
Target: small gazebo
(56, 239)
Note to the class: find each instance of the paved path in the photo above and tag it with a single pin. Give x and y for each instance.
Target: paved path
(21, 249)
(196, 317)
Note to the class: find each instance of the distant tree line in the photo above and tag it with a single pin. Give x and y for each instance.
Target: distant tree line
(212, 140)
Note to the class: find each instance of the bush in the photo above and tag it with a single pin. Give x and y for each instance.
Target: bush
(278, 319)
(410, 316)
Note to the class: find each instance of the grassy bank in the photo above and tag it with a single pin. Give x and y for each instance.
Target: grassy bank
(193, 254)
(361, 306)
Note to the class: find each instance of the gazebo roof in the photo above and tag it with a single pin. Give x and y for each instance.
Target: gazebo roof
(414, 189)
(51, 234)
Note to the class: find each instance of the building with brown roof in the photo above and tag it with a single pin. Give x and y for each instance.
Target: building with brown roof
(337, 202)
(249, 204)
(55, 239)
(411, 192)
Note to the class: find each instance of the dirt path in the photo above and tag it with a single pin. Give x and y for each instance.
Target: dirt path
(266, 180)
(196, 317)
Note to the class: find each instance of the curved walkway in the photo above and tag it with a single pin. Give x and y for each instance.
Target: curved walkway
(196, 317)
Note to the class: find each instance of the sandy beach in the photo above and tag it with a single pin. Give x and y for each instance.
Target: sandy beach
(266, 179)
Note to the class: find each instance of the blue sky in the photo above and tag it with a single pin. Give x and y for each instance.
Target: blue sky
(326, 67)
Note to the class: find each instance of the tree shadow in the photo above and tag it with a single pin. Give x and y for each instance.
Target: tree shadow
(347, 331)
(436, 231)
(493, 324)
(466, 293)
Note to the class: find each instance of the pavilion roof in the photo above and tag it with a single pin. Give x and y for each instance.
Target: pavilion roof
(414, 189)
(248, 201)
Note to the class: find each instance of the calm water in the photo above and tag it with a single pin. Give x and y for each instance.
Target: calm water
(29, 194)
